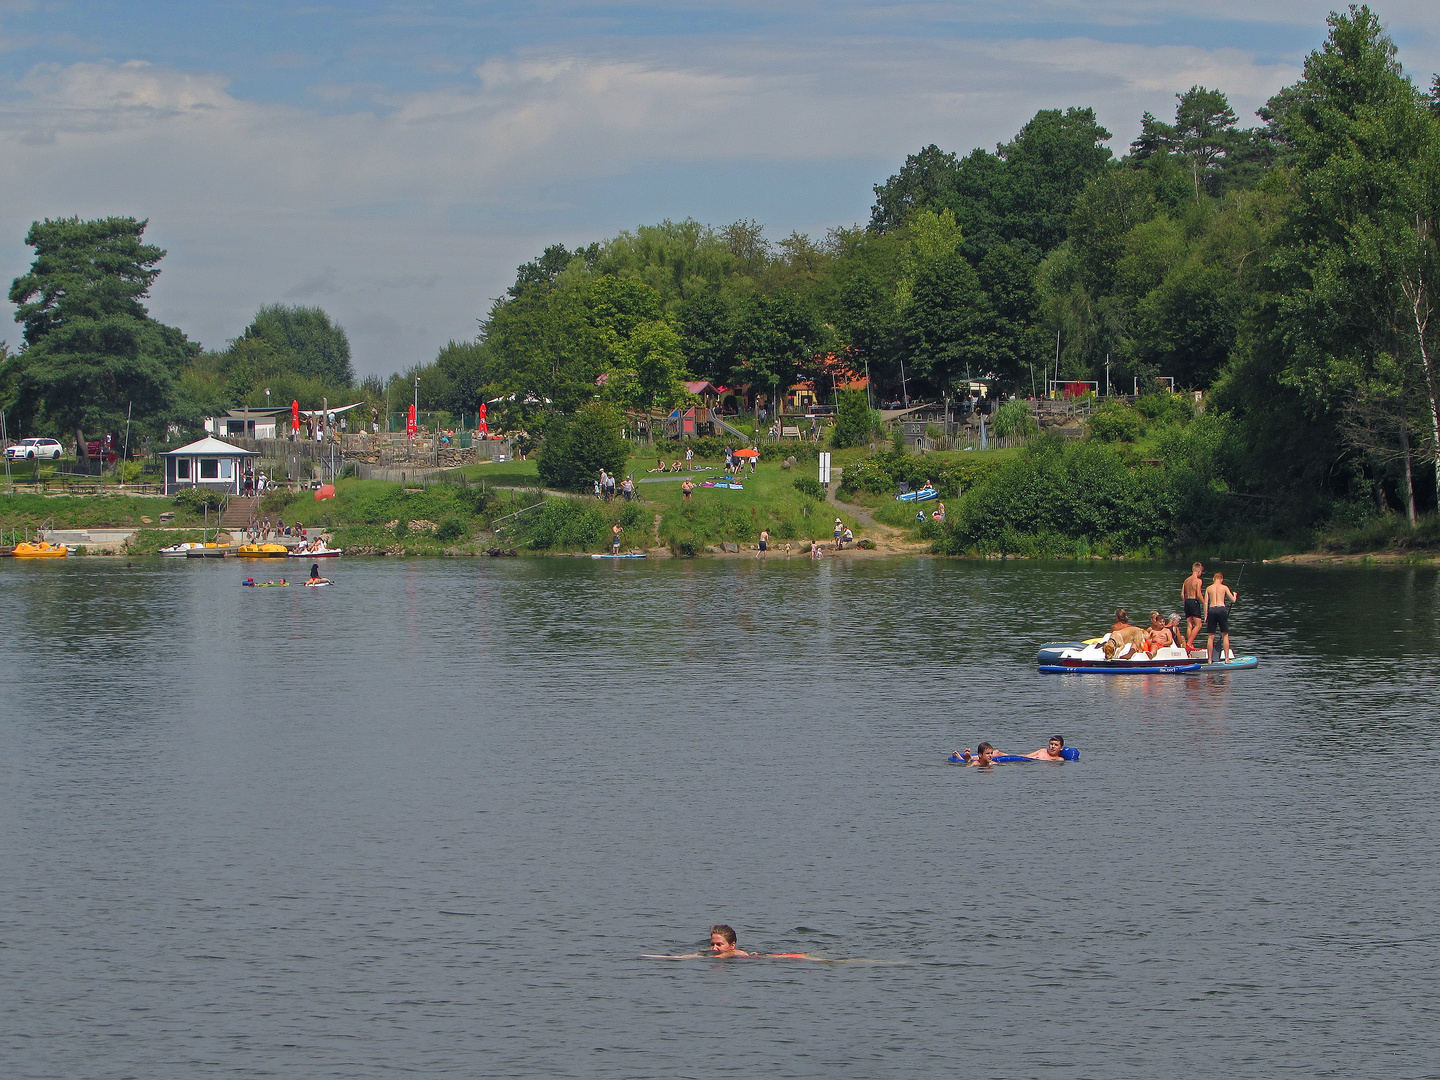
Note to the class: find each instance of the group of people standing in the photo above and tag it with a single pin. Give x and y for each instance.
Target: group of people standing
(606, 487)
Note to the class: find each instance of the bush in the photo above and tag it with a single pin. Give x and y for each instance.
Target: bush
(810, 487)
(1078, 499)
(576, 449)
(199, 498)
(566, 523)
(881, 474)
(450, 530)
(1116, 422)
(1013, 418)
(1164, 408)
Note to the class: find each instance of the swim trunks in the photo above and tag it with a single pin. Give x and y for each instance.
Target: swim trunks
(1217, 621)
(1193, 610)
(762, 545)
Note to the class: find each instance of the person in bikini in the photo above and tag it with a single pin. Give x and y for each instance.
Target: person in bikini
(1192, 592)
(1218, 598)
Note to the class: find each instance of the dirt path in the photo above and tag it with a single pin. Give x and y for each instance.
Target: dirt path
(888, 539)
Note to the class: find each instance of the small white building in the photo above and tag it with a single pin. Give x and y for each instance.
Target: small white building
(252, 423)
(207, 463)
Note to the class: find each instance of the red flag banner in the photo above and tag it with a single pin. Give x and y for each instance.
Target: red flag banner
(410, 423)
(294, 416)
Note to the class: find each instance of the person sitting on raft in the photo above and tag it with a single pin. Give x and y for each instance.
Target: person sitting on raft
(1158, 637)
(315, 577)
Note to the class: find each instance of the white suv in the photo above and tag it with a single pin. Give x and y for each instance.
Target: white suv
(30, 449)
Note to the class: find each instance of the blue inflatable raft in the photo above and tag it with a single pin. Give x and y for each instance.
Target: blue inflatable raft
(1067, 754)
(918, 496)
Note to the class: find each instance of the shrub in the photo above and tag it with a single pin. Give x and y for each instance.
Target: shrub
(566, 523)
(1164, 408)
(576, 449)
(450, 530)
(1013, 418)
(1116, 422)
(810, 487)
(198, 498)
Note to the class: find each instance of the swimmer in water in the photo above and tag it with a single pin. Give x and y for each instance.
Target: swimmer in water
(722, 941)
(984, 756)
(723, 947)
(1052, 752)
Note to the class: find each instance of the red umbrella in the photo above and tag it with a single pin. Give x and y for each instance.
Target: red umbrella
(294, 416)
(747, 452)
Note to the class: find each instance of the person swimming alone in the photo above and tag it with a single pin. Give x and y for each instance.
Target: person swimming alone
(724, 946)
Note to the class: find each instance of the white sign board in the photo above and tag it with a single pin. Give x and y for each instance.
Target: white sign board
(825, 467)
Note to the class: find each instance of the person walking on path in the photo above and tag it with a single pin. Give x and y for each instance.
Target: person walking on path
(1218, 598)
(1192, 592)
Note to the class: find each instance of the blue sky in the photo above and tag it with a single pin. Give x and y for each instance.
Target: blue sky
(393, 162)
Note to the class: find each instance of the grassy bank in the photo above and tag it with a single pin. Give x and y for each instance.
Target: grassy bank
(91, 511)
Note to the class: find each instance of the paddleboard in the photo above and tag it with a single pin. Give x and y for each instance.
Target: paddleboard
(318, 584)
(1239, 663)
(631, 555)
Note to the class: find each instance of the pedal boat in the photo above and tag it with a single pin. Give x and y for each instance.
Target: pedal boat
(1086, 657)
(40, 549)
(263, 551)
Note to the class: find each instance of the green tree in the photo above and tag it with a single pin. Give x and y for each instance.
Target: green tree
(1351, 267)
(650, 369)
(307, 342)
(91, 348)
(576, 449)
(854, 422)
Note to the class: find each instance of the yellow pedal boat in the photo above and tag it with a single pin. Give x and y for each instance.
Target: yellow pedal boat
(263, 551)
(40, 549)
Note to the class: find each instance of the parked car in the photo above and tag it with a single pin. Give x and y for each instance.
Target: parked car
(30, 449)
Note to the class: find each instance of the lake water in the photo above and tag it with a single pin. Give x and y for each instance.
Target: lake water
(428, 820)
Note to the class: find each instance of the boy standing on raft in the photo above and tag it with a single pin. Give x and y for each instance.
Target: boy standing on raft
(1218, 597)
(1192, 592)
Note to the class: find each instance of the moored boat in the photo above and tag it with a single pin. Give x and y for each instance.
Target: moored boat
(320, 550)
(186, 548)
(39, 549)
(263, 551)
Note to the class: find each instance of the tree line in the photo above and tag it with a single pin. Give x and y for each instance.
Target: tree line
(1287, 269)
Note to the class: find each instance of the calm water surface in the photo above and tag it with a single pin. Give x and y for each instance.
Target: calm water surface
(427, 822)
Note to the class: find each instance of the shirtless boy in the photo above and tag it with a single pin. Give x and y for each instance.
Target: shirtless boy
(1158, 636)
(1052, 751)
(1192, 591)
(1218, 598)
(984, 755)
